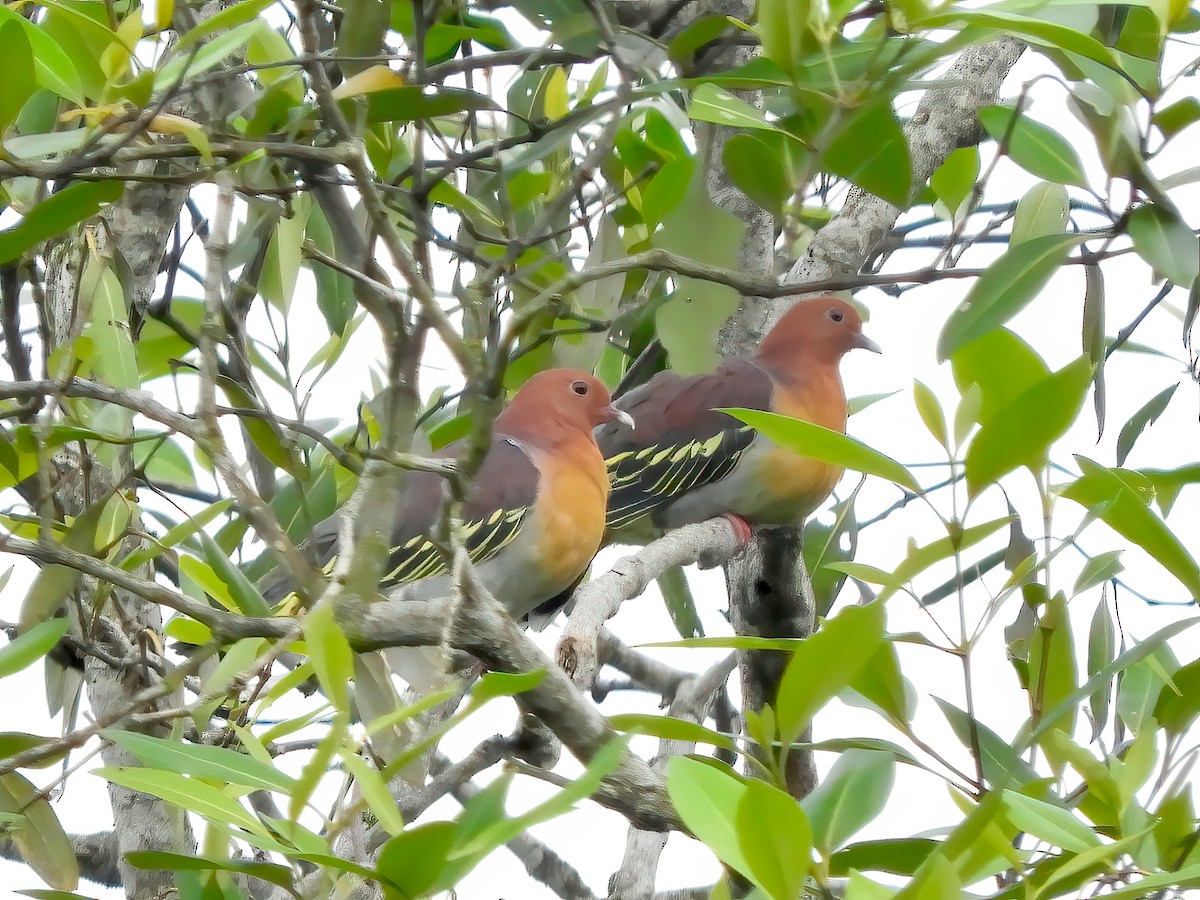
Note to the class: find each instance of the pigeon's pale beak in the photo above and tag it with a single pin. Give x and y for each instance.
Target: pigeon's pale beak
(865, 343)
(619, 415)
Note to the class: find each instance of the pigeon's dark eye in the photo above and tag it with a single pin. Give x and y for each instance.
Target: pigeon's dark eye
(579, 387)
(837, 315)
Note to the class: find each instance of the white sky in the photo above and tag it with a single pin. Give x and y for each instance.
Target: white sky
(593, 839)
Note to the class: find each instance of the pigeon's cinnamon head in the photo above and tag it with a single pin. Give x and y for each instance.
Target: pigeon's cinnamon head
(821, 330)
(559, 403)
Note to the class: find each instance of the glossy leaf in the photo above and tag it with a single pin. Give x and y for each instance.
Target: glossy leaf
(202, 761)
(669, 728)
(1051, 823)
(681, 606)
(1109, 498)
(1141, 419)
(825, 663)
(1044, 210)
(871, 151)
(413, 860)
(189, 793)
(1141, 686)
(39, 838)
(710, 103)
(853, 793)
(1021, 433)
(825, 445)
(1035, 147)
(707, 797)
(1176, 712)
(31, 646)
(1002, 766)
(1164, 241)
(18, 68)
(272, 873)
(75, 203)
(776, 840)
(243, 593)
(931, 413)
(954, 180)
(1007, 286)
(330, 654)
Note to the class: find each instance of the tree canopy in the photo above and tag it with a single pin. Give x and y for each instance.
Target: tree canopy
(259, 259)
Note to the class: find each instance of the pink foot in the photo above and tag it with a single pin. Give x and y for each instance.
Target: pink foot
(741, 528)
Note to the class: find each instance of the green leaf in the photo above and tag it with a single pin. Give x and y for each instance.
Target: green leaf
(677, 595)
(40, 838)
(332, 659)
(1164, 241)
(505, 684)
(16, 70)
(202, 761)
(1176, 712)
(921, 558)
(53, 65)
(176, 535)
(1053, 673)
(375, 791)
(243, 593)
(710, 103)
(1131, 656)
(931, 412)
(413, 860)
(223, 20)
(825, 663)
(496, 835)
(1022, 433)
(1002, 766)
(707, 796)
(1006, 287)
(954, 180)
(1001, 366)
(899, 856)
(757, 164)
(1102, 649)
(1037, 31)
(670, 729)
(783, 29)
(409, 104)
(1138, 422)
(188, 65)
(1098, 569)
(1044, 210)
(881, 683)
(31, 646)
(872, 152)
(1052, 824)
(1109, 497)
(776, 840)
(1178, 116)
(364, 23)
(272, 873)
(1036, 148)
(853, 793)
(75, 203)
(188, 793)
(825, 445)
(1141, 686)
(687, 323)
